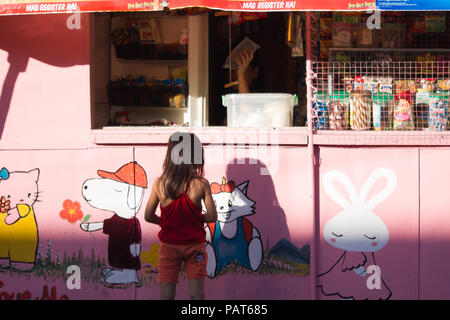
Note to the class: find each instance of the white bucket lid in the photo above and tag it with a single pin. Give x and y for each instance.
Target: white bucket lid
(293, 99)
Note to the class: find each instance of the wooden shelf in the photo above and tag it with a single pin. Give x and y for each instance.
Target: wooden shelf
(390, 49)
(153, 108)
(145, 96)
(144, 51)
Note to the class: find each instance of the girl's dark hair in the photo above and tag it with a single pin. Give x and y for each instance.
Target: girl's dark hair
(184, 161)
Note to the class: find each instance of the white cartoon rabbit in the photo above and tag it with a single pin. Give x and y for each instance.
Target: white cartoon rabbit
(360, 233)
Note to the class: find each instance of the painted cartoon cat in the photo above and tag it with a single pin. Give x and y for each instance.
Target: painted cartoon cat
(233, 238)
(18, 227)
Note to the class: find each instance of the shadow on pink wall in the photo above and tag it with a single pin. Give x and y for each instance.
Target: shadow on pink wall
(42, 37)
(270, 218)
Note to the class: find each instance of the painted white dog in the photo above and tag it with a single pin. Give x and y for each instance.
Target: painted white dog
(113, 193)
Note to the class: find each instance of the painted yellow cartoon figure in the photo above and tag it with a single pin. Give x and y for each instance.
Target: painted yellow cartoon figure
(18, 228)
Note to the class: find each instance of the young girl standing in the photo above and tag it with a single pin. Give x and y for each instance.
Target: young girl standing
(179, 191)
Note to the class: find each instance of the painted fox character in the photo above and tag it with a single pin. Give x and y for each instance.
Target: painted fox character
(232, 238)
(18, 227)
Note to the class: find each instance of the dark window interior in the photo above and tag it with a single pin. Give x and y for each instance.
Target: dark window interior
(279, 72)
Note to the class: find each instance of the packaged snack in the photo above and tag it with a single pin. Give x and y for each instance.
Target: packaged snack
(321, 121)
(385, 85)
(121, 117)
(149, 31)
(438, 113)
(405, 86)
(365, 37)
(338, 115)
(360, 109)
(377, 116)
(426, 85)
(435, 23)
(178, 101)
(359, 83)
(342, 35)
(348, 84)
(444, 85)
(403, 115)
(372, 85)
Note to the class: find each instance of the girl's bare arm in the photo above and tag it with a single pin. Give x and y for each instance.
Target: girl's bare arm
(152, 205)
(211, 213)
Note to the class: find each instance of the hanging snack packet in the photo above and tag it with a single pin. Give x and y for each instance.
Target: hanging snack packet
(149, 31)
(246, 45)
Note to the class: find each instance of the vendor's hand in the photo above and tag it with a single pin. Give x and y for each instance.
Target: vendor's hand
(243, 61)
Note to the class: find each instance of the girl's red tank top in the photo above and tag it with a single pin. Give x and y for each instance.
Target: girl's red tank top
(181, 222)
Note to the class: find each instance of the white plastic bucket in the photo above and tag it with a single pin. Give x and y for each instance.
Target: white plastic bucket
(259, 110)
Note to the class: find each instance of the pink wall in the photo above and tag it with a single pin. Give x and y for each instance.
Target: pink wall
(44, 71)
(434, 222)
(45, 124)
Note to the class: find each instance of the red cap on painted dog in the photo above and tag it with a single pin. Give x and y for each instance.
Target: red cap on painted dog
(130, 173)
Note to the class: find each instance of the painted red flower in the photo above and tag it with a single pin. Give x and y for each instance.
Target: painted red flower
(71, 211)
(4, 205)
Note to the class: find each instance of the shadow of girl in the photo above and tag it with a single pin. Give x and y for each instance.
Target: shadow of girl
(269, 217)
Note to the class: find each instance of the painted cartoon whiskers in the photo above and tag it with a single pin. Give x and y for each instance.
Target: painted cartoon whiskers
(233, 238)
(357, 231)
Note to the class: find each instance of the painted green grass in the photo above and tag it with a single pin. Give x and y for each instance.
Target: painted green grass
(49, 267)
(54, 266)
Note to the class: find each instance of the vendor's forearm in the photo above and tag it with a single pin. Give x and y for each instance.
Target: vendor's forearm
(243, 86)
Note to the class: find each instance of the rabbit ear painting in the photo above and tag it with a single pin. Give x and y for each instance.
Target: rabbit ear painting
(359, 232)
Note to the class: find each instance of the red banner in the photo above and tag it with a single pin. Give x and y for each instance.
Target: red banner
(30, 7)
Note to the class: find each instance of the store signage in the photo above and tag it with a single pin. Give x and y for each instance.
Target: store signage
(403, 5)
(8, 7)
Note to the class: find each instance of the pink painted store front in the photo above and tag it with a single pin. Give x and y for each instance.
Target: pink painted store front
(321, 213)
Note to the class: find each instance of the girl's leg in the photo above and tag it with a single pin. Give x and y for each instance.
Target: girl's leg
(196, 289)
(167, 290)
